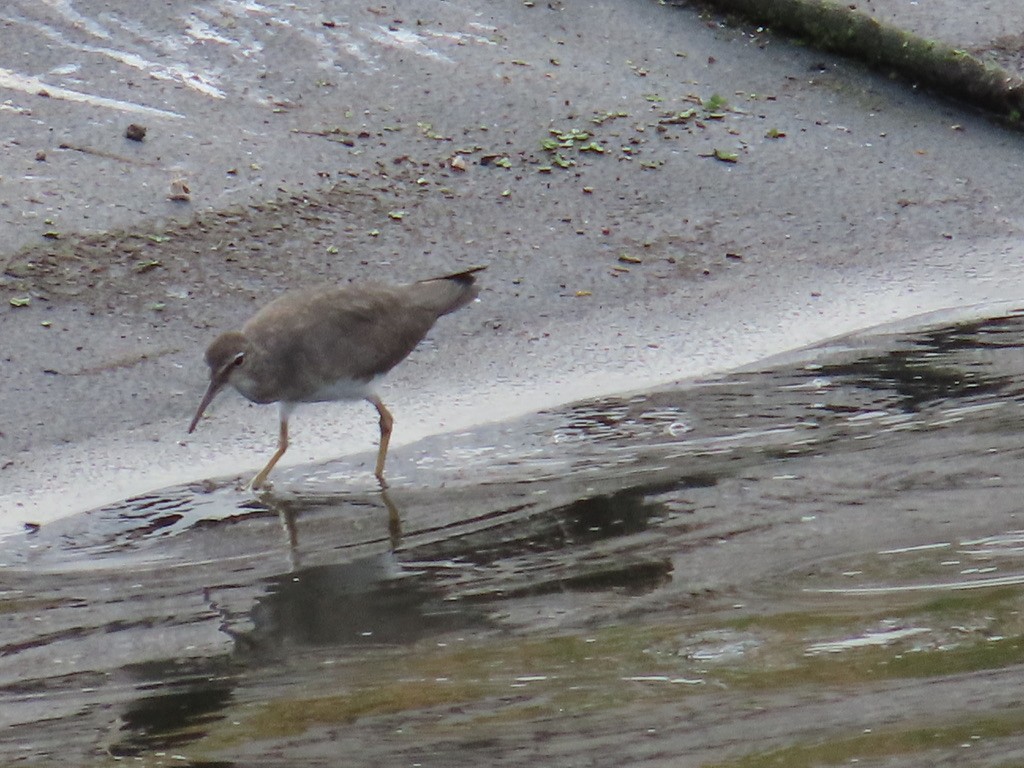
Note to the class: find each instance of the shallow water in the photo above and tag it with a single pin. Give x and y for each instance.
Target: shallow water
(806, 564)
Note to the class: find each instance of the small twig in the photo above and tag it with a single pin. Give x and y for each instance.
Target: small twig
(108, 155)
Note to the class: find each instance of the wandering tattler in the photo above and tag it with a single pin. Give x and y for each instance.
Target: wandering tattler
(330, 343)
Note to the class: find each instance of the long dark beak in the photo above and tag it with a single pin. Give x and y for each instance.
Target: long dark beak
(216, 384)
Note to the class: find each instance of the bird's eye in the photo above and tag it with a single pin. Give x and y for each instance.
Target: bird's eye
(239, 359)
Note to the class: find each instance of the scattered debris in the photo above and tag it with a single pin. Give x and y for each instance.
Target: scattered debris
(180, 191)
(603, 117)
(502, 161)
(135, 132)
(145, 265)
(722, 154)
(109, 155)
(678, 118)
(427, 129)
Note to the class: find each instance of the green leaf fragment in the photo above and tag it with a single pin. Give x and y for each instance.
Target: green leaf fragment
(679, 117)
(605, 116)
(716, 103)
(427, 129)
(20, 301)
(396, 215)
(146, 265)
(725, 156)
(573, 134)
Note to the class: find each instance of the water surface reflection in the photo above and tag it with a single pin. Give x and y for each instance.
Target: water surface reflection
(847, 520)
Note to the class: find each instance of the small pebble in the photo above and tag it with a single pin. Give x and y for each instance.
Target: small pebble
(135, 132)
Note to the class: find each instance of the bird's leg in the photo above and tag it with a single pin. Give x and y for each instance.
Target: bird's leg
(386, 422)
(282, 446)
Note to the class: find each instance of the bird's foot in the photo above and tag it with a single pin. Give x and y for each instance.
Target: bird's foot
(259, 484)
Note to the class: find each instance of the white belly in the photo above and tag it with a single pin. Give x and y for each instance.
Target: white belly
(345, 389)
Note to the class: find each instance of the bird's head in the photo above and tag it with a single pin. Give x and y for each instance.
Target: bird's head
(225, 356)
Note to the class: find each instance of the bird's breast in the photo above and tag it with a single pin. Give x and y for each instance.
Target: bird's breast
(340, 389)
(302, 387)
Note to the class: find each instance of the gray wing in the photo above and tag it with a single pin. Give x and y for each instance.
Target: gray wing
(355, 332)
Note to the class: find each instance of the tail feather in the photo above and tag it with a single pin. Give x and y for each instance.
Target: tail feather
(451, 292)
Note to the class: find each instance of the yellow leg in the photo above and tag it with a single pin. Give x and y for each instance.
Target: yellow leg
(386, 422)
(282, 446)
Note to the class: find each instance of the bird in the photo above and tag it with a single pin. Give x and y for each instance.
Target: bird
(330, 343)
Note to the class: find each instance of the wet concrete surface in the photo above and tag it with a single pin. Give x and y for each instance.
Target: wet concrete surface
(989, 29)
(826, 550)
(318, 152)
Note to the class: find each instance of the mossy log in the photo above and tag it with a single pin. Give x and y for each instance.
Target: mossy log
(931, 64)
